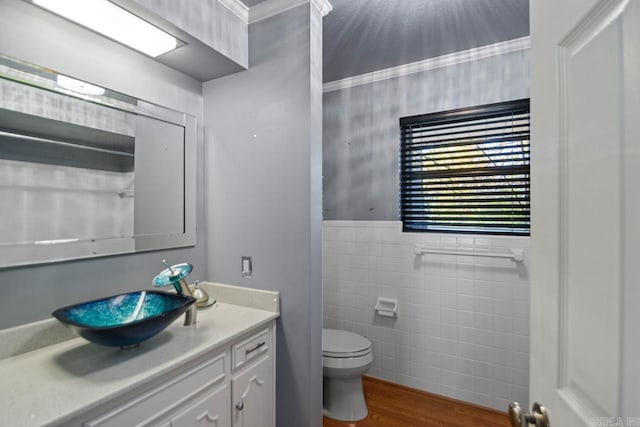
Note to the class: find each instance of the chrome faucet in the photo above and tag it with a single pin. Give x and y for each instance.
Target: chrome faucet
(175, 275)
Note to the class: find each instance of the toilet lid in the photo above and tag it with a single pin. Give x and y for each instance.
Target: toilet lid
(337, 343)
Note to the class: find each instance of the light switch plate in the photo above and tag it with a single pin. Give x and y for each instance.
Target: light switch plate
(247, 267)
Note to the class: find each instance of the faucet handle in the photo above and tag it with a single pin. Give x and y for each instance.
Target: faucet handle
(173, 273)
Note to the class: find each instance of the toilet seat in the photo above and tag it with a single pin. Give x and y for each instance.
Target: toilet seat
(344, 344)
(336, 355)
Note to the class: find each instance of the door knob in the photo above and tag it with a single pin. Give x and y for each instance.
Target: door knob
(538, 417)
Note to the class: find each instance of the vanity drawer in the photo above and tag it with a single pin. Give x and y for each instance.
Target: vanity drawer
(143, 409)
(250, 348)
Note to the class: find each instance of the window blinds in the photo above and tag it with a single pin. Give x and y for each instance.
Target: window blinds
(467, 170)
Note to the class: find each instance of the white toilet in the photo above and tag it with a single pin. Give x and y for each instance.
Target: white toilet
(345, 358)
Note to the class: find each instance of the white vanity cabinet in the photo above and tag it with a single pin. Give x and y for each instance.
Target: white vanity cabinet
(186, 376)
(233, 386)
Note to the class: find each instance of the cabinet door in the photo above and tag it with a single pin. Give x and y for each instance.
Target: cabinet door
(253, 396)
(210, 410)
(167, 398)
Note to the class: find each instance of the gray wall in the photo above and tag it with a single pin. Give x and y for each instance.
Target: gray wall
(361, 133)
(263, 191)
(32, 293)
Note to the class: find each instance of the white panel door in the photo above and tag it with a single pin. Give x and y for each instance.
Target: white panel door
(585, 237)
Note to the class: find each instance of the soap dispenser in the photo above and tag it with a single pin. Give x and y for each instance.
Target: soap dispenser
(201, 296)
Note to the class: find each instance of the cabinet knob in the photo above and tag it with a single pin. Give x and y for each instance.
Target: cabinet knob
(240, 406)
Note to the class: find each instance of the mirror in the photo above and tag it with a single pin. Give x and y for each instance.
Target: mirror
(87, 172)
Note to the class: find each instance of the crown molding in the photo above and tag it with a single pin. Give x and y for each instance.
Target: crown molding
(270, 8)
(238, 8)
(474, 54)
(323, 6)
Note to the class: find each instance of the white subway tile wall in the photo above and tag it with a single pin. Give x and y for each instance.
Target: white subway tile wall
(462, 329)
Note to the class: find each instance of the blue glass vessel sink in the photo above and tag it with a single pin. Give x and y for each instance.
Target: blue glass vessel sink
(124, 320)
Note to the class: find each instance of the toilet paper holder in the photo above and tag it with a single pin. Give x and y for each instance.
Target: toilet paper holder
(386, 307)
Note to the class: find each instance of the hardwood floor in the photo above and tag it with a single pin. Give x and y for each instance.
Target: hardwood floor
(392, 405)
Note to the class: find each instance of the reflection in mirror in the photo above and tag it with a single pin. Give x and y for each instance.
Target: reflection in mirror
(86, 171)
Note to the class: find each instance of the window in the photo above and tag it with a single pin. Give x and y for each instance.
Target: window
(466, 170)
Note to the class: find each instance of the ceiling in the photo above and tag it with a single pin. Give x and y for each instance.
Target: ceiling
(361, 36)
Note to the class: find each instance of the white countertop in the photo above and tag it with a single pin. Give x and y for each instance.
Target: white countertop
(54, 383)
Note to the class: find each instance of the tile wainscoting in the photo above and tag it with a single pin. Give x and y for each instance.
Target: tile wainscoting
(462, 329)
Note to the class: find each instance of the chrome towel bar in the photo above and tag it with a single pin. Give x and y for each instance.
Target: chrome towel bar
(516, 255)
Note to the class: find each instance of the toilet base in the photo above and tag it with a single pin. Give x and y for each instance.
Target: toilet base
(343, 399)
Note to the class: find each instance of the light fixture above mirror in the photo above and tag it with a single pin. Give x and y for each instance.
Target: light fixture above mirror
(114, 22)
